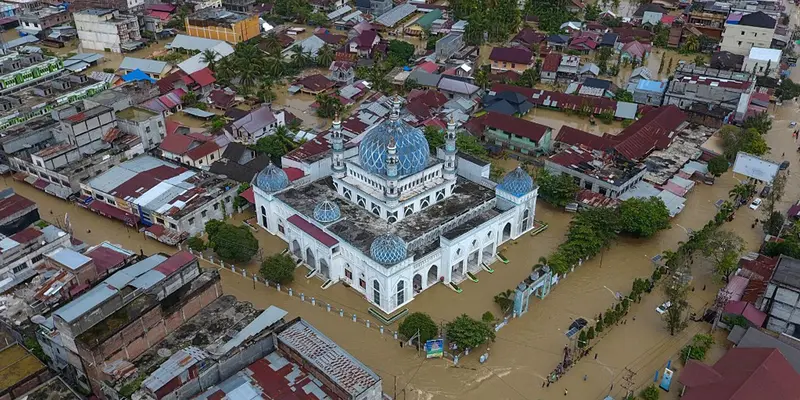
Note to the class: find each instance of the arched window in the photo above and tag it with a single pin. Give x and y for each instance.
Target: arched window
(424, 203)
(264, 216)
(376, 293)
(401, 292)
(376, 210)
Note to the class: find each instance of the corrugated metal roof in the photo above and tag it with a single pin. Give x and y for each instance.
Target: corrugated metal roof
(147, 280)
(267, 318)
(179, 362)
(69, 258)
(148, 66)
(193, 43)
(395, 15)
(327, 357)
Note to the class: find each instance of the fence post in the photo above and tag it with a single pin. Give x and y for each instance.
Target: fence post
(367, 323)
(290, 291)
(278, 286)
(381, 329)
(341, 312)
(302, 297)
(328, 306)
(313, 301)
(354, 318)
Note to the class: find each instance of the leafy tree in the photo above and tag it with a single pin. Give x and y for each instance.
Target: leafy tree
(411, 84)
(591, 12)
(196, 243)
(650, 393)
(775, 195)
(742, 191)
(690, 45)
(325, 56)
(328, 106)
(599, 326)
(787, 89)
(582, 341)
(643, 217)
(271, 43)
(773, 224)
(189, 99)
(318, 19)
(210, 56)
(234, 243)
(466, 332)
(487, 317)
(505, 300)
(623, 95)
(419, 322)
(529, 78)
(464, 142)
(430, 44)
(278, 268)
(697, 349)
(556, 189)
(496, 173)
(718, 165)
(590, 333)
(735, 140)
(400, 52)
(36, 349)
(277, 144)
(761, 122)
(676, 290)
(723, 249)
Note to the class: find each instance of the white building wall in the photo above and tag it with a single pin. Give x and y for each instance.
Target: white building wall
(739, 39)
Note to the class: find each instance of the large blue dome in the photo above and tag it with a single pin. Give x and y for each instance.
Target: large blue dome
(388, 249)
(327, 212)
(272, 179)
(412, 148)
(517, 182)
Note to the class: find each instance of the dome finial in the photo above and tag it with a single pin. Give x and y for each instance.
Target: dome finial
(336, 117)
(395, 108)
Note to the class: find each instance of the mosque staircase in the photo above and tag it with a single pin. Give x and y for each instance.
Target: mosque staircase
(472, 277)
(455, 287)
(487, 268)
(327, 284)
(311, 274)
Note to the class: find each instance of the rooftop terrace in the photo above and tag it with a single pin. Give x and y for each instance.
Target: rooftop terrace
(17, 364)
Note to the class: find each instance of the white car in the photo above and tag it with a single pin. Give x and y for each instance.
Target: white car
(663, 308)
(755, 204)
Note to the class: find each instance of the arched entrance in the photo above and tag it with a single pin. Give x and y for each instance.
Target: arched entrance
(296, 249)
(417, 282)
(323, 268)
(507, 232)
(433, 273)
(310, 259)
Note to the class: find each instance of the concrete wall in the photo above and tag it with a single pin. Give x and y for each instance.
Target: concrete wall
(238, 32)
(594, 184)
(151, 131)
(198, 222)
(739, 39)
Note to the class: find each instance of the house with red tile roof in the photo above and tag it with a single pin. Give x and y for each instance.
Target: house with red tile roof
(363, 43)
(515, 134)
(741, 374)
(635, 51)
(516, 59)
(654, 131)
(315, 84)
(16, 212)
(550, 67)
(568, 136)
(196, 150)
(528, 38)
(585, 43)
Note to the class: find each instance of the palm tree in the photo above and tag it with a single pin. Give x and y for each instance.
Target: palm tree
(272, 44)
(691, 44)
(504, 300)
(265, 92)
(275, 67)
(741, 191)
(209, 56)
(325, 56)
(482, 78)
(298, 56)
(543, 262)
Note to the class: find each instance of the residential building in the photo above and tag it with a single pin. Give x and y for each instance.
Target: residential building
(315, 84)
(16, 212)
(528, 38)
(18, 70)
(240, 163)
(558, 42)
(131, 7)
(596, 173)
(392, 18)
(22, 252)
(763, 62)
(153, 68)
(649, 92)
(363, 43)
(200, 82)
(550, 65)
(449, 45)
(635, 51)
(214, 23)
(568, 68)
(374, 7)
(256, 124)
(755, 338)
(511, 59)
(650, 14)
(726, 60)
(41, 99)
(108, 30)
(781, 298)
(149, 126)
(342, 72)
(455, 88)
(516, 134)
(593, 87)
(79, 144)
(709, 13)
(194, 149)
(171, 201)
(42, 20)
(242, 6)
(101, 343)
(742, 373)
(506, 102)
(745, 31)
(22, 371)
(709, 95)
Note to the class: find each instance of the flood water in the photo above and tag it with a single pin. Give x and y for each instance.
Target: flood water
(529, 347)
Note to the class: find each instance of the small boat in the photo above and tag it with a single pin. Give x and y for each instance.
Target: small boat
(792, 124)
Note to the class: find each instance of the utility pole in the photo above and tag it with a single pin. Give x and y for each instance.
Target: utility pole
(628, 383)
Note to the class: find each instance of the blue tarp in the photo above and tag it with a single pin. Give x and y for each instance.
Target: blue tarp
(137, 75)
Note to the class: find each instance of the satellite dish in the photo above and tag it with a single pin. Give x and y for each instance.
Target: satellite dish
(38, 319)
(164, 352)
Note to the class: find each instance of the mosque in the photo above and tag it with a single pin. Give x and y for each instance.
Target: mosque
(394, 219)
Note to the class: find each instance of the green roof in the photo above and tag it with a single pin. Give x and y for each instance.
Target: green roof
(426, 20)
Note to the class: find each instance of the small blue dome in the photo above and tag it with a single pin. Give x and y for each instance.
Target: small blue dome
(388, 249)
(326, 212)
(517, 182)
(412, 148)
(272, 179)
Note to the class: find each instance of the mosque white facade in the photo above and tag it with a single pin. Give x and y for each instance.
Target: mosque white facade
(394, 220)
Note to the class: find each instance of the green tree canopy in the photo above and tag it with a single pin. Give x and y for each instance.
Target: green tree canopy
(718, 165)
(278, 268)
(196, 243)
(735, 139)
(643, 217)
(623, 95)
(233, 243)
(787, 89)
(723, 249)
(761, 122)
(400, 52)
(276, 145)
(419, 322)
(556, 189)
(467, 332)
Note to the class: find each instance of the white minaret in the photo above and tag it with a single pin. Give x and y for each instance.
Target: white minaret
(450, 150)
(338, 149)
(392, 192)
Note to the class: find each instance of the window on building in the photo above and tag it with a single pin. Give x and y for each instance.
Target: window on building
(348, 274)
(362, 282)
(191, 221)
(160, 220)
(602, 191)
(204, 213)
(376, 293)
(147, 129)
(228, 199)
(160, 124)
(173, 226)
(216, 206)
(401, 292)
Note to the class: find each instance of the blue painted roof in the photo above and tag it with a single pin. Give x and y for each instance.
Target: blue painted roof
(137, 75)
(651, 86)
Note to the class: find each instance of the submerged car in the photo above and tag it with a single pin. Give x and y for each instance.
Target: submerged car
(663, 308)
(755, 204)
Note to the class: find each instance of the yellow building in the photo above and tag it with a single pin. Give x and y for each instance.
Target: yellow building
(220, 24)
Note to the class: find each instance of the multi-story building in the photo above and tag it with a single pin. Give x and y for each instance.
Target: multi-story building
(23, 5)
(745, 31)
(214, 23)
(449, 45)
(16, 212)
(515, 59)
(172, 201)
(43, 19)
(781, 300)
(763, 62)
(374, 7)
(242, 6)
(123, 6)
(710, 95)
(149, 126)
(516, 134)
(18, 70)
(46, 96)
(115, 322)
(256, 124)
(23, 251)
(108, 30)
